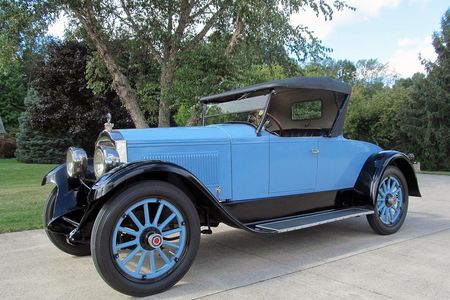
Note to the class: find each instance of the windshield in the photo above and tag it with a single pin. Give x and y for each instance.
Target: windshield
(248, 110)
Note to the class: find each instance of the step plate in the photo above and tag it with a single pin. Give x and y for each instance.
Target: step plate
(314, 219)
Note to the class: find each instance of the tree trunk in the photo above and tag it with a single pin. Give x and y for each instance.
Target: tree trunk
(166, 80)
(120, 82)
(196, 115)
(122, 86)
(238, 27)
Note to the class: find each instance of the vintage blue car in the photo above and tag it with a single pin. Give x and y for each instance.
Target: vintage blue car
(269, 158)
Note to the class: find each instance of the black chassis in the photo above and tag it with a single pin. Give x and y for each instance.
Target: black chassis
(78, 201)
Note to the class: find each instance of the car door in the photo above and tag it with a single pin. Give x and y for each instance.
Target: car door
(340, 162)
(249, 163)
(293, 165)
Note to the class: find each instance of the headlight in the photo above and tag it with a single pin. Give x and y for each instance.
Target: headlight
(105, 159)
(76, 162)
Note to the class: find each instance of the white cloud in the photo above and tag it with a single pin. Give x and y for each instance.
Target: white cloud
(372, 8)
(365, 10)
(405, 60)
(408, 42)
(57, 28)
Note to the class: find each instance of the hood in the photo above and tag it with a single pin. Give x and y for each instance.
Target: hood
(200, 134)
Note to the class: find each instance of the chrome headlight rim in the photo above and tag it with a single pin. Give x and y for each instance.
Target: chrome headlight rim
(106, 158)
(76, 162)
(99, 165)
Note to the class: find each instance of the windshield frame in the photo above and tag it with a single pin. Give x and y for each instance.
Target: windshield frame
(258, 127)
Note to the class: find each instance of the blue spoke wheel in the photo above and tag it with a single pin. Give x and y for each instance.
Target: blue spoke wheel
(389, 200)
(145, 238)
(149, 239)
(391, 203)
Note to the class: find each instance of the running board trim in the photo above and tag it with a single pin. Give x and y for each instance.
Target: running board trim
(310, 220)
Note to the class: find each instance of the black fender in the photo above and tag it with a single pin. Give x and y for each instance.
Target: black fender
(369, 178)
(70, 203)
(67, 191)
(144, 170)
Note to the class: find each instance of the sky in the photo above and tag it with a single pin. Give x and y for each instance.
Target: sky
(392, 31)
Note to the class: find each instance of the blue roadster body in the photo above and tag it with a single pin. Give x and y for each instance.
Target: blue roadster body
(269, 158)
(230, 157)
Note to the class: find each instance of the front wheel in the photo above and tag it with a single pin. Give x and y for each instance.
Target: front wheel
(59, 239)
(391, 204)
(145, 238)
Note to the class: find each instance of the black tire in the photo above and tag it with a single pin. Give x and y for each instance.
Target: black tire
(374, 219)
(103, 231)
(58, 239)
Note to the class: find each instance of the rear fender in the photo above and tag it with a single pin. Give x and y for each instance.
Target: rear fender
(370, 176)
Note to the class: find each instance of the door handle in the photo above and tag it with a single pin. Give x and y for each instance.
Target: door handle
(315, 151)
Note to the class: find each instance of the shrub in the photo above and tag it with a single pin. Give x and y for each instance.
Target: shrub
(7, 146)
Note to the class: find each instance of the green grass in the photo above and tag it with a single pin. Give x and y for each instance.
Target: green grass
(21, 195)
(436, 172)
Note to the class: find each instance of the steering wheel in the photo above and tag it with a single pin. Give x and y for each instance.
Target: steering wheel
(277, 122)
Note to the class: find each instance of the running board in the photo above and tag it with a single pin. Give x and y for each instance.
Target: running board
(313, 219)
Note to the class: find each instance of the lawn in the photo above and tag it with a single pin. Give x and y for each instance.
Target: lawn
(21, 195)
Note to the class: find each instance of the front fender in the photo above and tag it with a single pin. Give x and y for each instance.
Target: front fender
(125, 172)
(67, 191)
(142, 170)
(370, 176)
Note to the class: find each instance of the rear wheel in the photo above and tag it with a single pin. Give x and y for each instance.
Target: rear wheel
(145, 238)
(59, 239)
(391, 204)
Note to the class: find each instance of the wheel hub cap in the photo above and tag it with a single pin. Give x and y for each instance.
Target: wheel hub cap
(155, 240)
(391, 200)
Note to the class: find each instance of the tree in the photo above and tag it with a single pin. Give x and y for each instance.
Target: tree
(167, 29)
(374, 73)
(23, 24)
(378, 119)
(344, 70)
(13, 91)
(208, 70)
(32, 146)
(142, 72)
(413, 114)
(66, 106)
(428, 111)
(186, 90)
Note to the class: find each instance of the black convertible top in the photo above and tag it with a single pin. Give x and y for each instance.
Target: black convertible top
(318, 83)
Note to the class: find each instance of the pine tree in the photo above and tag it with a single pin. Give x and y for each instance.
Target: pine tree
(32, 146)
(428, 116)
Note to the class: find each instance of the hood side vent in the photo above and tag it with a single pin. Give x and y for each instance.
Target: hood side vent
(203, 165)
